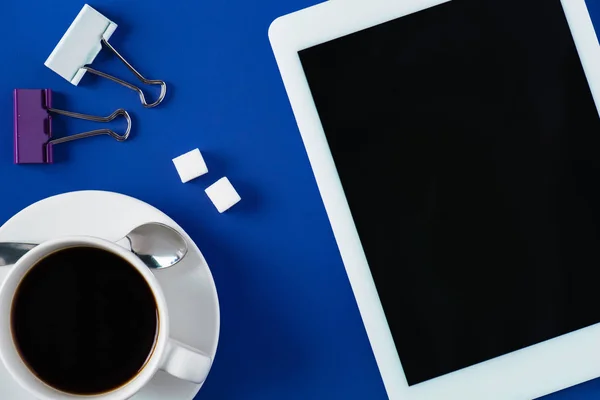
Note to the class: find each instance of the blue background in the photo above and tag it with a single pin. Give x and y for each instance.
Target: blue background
(290, 325)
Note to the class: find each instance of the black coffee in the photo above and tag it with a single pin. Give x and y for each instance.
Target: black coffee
(84, 320)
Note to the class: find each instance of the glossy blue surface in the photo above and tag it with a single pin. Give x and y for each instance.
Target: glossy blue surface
(290, 325)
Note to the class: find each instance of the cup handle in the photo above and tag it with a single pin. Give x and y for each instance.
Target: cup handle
(185, 362)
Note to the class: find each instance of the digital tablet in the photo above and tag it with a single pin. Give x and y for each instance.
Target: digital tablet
(456, 147)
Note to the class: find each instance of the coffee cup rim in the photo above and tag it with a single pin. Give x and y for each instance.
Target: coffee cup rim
(9, 354)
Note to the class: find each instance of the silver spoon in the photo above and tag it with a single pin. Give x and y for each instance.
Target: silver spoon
(157, 245)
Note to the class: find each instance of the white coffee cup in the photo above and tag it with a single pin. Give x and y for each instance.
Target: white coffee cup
(169, 355)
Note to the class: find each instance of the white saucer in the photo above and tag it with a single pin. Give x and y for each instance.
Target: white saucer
(189, 287)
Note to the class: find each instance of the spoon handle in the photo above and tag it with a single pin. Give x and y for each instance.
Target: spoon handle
(11, 252)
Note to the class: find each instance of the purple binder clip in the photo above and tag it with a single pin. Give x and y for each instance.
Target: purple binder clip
(33, 126)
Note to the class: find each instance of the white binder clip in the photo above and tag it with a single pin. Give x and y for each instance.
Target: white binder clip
(80, 45)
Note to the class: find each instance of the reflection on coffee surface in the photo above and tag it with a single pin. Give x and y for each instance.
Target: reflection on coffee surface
(84, 320)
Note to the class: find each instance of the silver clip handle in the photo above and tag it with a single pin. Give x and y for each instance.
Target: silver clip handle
(163, 85)
(96, 132)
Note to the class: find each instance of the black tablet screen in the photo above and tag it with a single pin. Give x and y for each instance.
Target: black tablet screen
(468, 146)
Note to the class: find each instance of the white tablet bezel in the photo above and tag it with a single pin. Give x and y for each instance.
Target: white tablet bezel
(522, 375)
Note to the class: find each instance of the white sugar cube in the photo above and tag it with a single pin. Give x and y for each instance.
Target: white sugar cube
(190, 165)
(223, 194)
